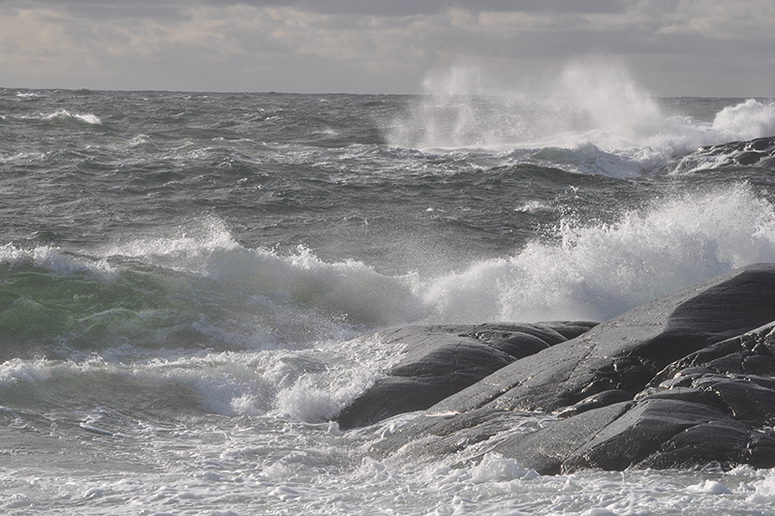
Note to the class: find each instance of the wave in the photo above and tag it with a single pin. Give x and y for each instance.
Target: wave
(63, 114)
(200, 291)
(206, 291)
(198, 322)
(599, 270)
(599, 111)
(309, 384)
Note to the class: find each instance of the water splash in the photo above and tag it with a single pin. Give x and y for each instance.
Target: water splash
(464, 108)
(746, 121)
(597, 270)
(595, 108)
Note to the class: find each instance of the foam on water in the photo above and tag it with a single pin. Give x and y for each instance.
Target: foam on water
(151, 448)
(305, 385)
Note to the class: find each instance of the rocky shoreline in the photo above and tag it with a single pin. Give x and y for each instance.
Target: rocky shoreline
(684, 381)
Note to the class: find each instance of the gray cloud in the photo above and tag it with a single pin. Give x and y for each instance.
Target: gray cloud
(378, 45)
(392, 8)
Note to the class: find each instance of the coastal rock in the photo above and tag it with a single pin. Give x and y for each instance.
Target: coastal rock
(686, 380)
(441, 360)
(759, 152)
(627, 352)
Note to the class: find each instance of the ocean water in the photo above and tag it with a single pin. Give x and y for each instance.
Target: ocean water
(189, 283)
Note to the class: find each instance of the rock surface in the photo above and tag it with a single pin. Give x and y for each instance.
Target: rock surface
(686, 380)
(759, 152)
(442, 360)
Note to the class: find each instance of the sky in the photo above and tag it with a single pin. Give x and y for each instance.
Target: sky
(671, 47)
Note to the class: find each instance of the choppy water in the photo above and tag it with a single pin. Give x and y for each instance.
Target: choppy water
(189, 282)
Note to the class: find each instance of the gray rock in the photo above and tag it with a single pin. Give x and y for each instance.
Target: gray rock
(686, 380)
(627, 352)
(441, 360)
(759, 152)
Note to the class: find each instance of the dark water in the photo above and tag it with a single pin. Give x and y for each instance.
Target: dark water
(188, 283)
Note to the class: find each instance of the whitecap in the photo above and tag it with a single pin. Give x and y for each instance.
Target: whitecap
(63, 114)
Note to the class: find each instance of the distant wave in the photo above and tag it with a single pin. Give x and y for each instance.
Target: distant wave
(63, 114)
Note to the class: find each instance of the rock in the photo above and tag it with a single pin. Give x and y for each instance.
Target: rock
(627, 352)
(686, 380)
(441, 360)
(595, 401)
(759, 152)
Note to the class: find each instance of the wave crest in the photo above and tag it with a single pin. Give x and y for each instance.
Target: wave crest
(208, 291)
(597, 271)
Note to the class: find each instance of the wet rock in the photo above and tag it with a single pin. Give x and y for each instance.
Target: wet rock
(686, 380)
(759, 152)
(442, 360)
(627, 352)
(601, 399)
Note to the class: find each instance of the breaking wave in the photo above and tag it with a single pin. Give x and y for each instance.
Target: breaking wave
(208, 291)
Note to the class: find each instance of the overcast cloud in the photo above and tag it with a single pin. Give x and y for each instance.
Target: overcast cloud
(672, 47)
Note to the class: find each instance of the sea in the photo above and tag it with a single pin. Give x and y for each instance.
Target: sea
(190, 284)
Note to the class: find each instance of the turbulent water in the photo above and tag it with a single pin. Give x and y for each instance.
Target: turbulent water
(189, 282)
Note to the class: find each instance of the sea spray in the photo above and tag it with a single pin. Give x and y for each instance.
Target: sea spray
(592, 108)
(599, 270)
(584, 104)
(745, 121)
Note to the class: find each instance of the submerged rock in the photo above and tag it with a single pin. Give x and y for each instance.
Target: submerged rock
(686, 380)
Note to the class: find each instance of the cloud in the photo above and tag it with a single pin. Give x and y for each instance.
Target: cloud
(366, 45)
(717, 19)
